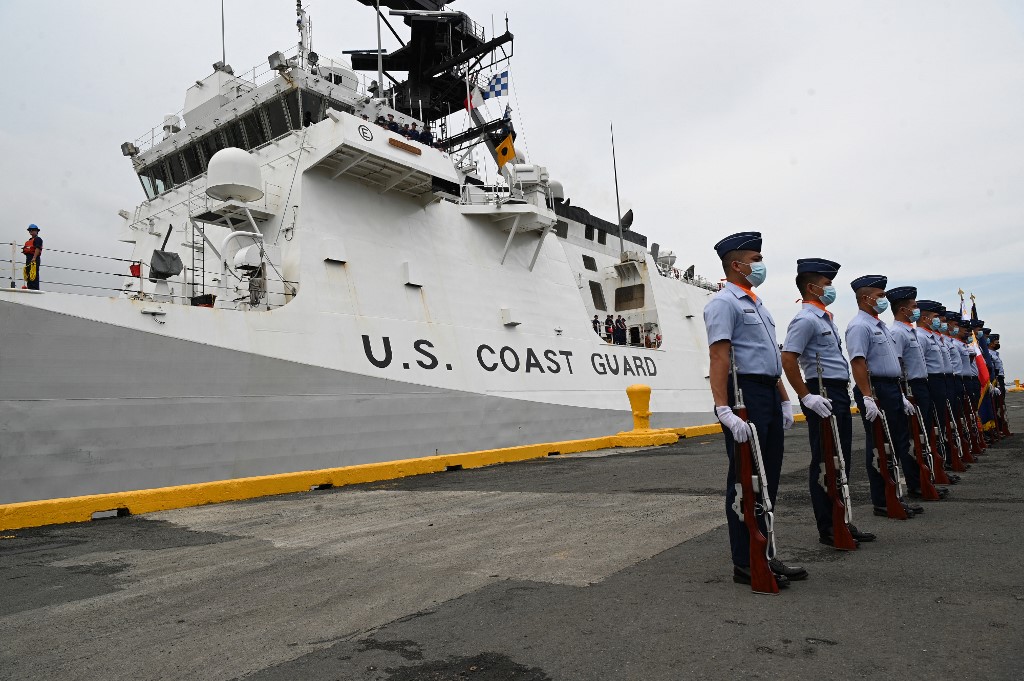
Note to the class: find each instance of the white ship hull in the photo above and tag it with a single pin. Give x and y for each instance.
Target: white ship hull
(407, 337)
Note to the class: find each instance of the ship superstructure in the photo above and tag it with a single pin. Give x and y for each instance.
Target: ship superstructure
(314, 290)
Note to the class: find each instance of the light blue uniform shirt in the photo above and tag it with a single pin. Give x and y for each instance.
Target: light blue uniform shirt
(868, 337)
(732, 315)
(934, 354)
(954, 356)
(812, 333)
(997, 362)
(908, 346)
(968, 367)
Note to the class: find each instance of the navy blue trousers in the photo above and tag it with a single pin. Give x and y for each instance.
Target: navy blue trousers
(891, 402)
(839, 394)
(764, 410)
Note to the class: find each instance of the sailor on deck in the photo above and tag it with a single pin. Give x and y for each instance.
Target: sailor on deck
(910, 344)
(873, 349)
(812, 336)
(33, 250)
(738, 322)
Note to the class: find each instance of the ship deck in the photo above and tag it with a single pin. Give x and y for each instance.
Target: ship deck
(605, 565)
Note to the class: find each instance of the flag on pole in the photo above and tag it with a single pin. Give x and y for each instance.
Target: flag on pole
(507, 116)
(497, 86)
(505, 151)
(985, 406)
(474, 98)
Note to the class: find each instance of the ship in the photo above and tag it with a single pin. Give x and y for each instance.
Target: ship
(310, 288)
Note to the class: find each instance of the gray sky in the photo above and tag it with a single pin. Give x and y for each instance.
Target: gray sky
(885, 136)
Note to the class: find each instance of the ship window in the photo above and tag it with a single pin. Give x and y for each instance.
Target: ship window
(602, 237)
(233, 132)
(177, 168)
(590, 233)
(562, 229)
(154, 179)
(210, 145)
(312, 104)
(629, 297)
(195, 164)
(291, 102)
(277, 117)
(597, 293)
(590, 263)
(255, 133)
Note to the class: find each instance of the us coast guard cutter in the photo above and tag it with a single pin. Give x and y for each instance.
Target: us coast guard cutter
(313, 290)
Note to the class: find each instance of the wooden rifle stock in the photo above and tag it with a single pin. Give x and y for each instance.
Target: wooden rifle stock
(749, 491)
(885, 462)
(938, 447)
(918, 435)
(953, 439)
(835, 484)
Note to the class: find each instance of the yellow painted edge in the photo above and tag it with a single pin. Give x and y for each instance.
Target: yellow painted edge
(80, 509)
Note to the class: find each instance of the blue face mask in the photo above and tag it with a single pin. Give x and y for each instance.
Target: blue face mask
(936, 324)
(915, 315)
(981, 334)
(945, 327)
(758, 273)
(956, 330)
(881, 305)
(828, 295)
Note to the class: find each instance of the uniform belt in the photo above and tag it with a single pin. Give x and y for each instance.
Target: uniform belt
(885, 379)
(759, 378)
(838, 382)
(935, 376)
(923, 378)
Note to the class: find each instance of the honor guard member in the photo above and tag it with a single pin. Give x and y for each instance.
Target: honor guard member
(997, 361)
(812, 336)
(929, 328)
(738, 323)
(872, 349)
(910, 346)
(968, 355)
(951, 329)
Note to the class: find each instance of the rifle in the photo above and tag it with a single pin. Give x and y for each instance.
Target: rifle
(919, 436)
(965, 432)
(833, 476)
(1004, 427)
(752, 498)
(971, 415)
(885, 461)
(953, 438)
(937, 438)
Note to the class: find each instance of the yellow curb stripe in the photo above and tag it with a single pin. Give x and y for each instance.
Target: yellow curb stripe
(80, 509)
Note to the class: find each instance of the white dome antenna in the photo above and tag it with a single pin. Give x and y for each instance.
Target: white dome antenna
(234, 174)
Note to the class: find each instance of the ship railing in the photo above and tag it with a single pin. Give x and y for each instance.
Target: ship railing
(255, 77)
(109, 276)
(474, 195)
(694, 280)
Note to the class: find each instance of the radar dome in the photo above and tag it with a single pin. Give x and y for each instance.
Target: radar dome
(234, 174)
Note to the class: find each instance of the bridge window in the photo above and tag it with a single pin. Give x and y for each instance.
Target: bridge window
(602, 237)
(597, 293)
(590, 263)
(590, 233)
(629, 297)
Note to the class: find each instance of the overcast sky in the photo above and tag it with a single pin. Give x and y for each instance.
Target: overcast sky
(884, 135)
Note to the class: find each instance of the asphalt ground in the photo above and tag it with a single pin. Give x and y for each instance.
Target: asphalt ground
(609, 565)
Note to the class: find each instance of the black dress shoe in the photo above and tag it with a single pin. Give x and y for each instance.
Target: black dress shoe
(795, 574)
(883, 512)
(741, 575)
(830, 540)
(943, 492)
(918, 510)
(860, 536)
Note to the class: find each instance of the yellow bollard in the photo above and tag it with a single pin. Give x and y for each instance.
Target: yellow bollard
(640, 402)
(642, 434)
(1016, 386)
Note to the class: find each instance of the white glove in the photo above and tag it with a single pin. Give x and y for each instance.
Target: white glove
(996, 392)
(870, 409)
(739, 428)
(818, 404)
(787, 415)
(908, 408)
